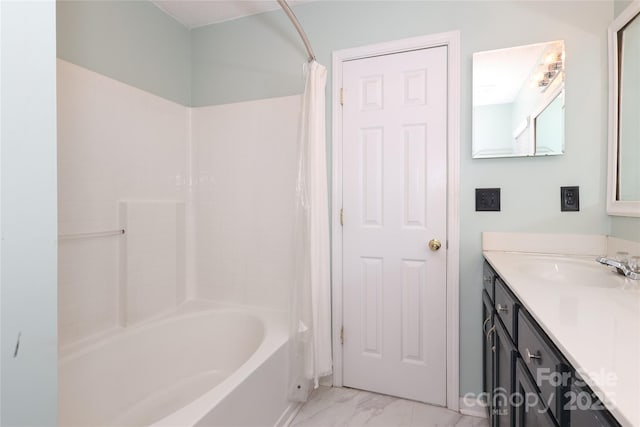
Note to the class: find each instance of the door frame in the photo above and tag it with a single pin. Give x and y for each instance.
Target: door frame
(452, 41)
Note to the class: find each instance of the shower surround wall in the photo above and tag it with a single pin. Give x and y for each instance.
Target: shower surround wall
(246, 174)
(206, 196)
(122, 164)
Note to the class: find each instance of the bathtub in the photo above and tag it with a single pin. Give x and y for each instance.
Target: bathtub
(205, 364)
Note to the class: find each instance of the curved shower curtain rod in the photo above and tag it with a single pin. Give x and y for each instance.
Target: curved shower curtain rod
(283, 4)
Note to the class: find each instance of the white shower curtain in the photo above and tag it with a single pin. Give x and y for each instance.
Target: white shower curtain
(310, 324)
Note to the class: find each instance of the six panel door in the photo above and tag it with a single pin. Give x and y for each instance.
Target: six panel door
(394, 200)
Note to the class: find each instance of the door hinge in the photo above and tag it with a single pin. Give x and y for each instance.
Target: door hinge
(342, 335)
(341, 96)
(342, 216)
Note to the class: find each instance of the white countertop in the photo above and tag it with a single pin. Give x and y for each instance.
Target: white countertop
(590, 313)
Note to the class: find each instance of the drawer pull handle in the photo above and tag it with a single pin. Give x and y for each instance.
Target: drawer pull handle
(502, 308)
(532, 356)
(487, 279)
(484, 325)
(491, 331)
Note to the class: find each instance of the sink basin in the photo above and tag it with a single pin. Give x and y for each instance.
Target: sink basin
(570, 271)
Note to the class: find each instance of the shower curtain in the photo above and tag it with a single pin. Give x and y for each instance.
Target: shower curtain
(310, 322)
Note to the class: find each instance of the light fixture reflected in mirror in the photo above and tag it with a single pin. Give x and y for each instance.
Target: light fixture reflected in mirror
(511, 88)
(552, 67)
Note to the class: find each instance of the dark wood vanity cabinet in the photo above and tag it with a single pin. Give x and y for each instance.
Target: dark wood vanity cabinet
(526, 379)
(499, 352)
(499, 349)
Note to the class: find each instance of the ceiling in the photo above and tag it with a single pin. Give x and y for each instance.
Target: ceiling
(196, 13)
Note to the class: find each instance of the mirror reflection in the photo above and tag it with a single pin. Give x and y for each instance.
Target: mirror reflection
(518, 101)
(629, 113)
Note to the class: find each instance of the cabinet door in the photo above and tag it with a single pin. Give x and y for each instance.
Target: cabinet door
(487, 353)
(585, 409)
(529, 410)
(504, 359)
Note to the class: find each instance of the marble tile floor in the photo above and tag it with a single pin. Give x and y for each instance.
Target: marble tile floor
(330, 406)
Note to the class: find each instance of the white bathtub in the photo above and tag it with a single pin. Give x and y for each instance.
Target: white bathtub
(200, 366)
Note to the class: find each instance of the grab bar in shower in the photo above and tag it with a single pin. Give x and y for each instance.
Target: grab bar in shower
(89, 235)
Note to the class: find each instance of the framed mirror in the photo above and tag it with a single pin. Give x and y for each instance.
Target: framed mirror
(518, 101)
(623, 189)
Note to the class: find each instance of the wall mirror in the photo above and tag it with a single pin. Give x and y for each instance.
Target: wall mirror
(623, 189)
(518, 101)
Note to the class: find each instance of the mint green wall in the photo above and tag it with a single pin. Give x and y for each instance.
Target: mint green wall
(260, 56)
(131, 41)
(28, 214)
(626, 228)
(249, 58)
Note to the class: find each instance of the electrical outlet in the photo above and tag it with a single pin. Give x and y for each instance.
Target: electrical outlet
(488, 199)
(570, 199)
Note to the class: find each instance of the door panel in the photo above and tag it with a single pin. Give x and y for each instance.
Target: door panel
(394, 201)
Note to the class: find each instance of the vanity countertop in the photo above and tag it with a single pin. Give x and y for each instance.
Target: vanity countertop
(591, 313)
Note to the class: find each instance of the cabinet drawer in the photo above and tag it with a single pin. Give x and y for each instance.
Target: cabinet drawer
(488, 277)
(506, 307)
(545, 364)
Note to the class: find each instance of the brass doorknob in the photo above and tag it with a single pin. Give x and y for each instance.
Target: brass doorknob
(434, 244)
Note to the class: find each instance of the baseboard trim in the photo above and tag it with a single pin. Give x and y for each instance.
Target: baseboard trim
(473, 407)
(288, 415)
(327, 381)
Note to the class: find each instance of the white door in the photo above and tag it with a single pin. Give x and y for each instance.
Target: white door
(394, 201)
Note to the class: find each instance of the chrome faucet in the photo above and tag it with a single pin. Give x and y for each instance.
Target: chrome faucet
(622, 267)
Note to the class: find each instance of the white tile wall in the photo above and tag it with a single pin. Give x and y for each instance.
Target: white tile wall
(87, 287)
(115, 142)
(246, 170)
